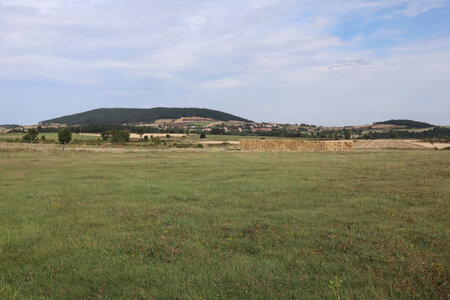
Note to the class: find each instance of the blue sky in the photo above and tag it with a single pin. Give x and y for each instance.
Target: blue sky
(328, 62)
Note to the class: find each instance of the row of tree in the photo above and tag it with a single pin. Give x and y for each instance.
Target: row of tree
(436, 132)
(116, 136)
(111, 132)
(64, 136)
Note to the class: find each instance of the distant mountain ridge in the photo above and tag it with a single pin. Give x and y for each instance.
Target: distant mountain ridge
(109, 116)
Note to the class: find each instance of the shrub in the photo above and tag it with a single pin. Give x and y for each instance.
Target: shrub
(124, 134)
(30, 136)
(33, 133)
(64, 135)
(116, 136)
(140, 131)
(145, 138)
(105, 135)
(27, 138)
(203, 135)
(393, 134)
(182, 145)
(156, 141)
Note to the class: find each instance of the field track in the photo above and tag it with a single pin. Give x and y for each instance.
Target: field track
(397, 144)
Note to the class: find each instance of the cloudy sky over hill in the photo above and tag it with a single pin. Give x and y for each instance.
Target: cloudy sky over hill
(329, 62)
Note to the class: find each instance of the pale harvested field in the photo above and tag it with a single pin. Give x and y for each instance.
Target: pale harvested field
(397, 144)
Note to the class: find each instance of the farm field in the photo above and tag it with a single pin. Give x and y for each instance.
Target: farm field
(397, 144)
(234, 140)
(218, 225)
(49, 136)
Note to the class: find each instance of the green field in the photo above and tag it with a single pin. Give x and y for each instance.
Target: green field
(218, 225)
(48, 136)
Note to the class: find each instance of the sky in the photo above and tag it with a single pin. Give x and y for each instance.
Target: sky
(327, 62)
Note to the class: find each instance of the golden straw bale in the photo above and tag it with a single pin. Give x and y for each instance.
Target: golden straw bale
(294, 145)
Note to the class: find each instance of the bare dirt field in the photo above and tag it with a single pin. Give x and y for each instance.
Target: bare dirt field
(397, 144)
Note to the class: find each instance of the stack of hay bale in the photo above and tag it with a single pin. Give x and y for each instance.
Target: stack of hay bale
(295, 145)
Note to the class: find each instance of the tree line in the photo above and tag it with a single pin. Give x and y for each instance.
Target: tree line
(111, 130)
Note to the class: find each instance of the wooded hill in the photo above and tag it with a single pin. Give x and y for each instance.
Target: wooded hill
(138, 115)
(407, 123)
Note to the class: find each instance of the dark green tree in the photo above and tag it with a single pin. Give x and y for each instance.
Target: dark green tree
(140, 131)
(346, 134)
(33, 133)
(217, 130)
(105, 135)
(393, 134)
(121, 136)
(27, 138)
(203, 135)
(64, 135)
(125, 135)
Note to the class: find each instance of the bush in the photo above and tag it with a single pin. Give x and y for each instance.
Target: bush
(27, 138)
(217, 131)
(116, 136)
(145, 138)
(182, 145)
(140, 131)
(105, 135)
(156, 141)
(393, 134)
(64, 135)
(30, 136)
(123, 136)
(33, 133)
(203, 135)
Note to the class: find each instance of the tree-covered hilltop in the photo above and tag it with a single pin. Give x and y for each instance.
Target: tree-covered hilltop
(407, 123)
(138, 115)
(9, 126)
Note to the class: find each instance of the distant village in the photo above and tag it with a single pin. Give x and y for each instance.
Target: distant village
(198, 125)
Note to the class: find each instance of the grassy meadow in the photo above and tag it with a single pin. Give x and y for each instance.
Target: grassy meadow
(221, 225)
(51, 137)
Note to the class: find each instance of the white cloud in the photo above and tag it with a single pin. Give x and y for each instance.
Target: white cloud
(245, 50)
